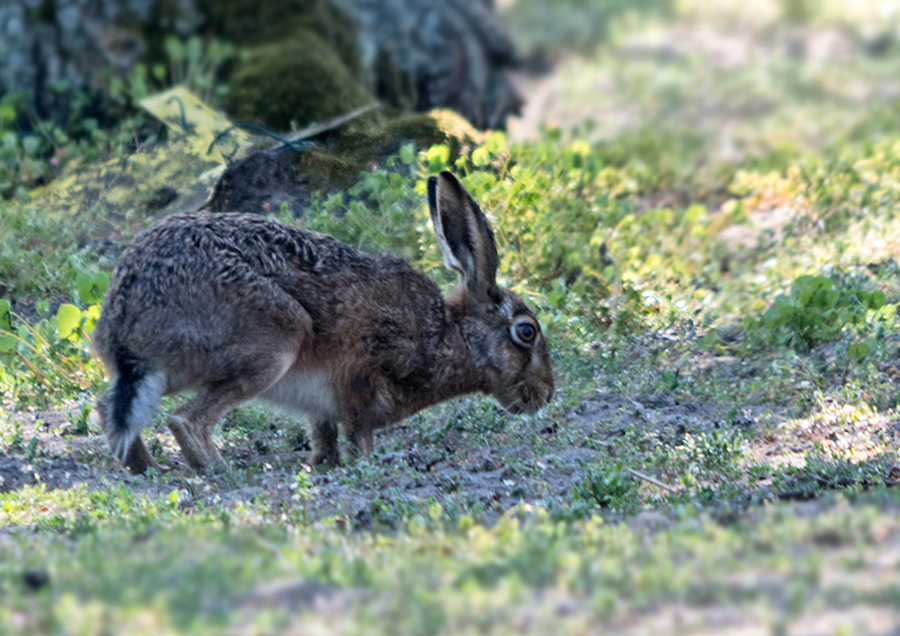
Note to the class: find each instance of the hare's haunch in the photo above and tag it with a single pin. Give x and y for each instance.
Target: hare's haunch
(239, 306)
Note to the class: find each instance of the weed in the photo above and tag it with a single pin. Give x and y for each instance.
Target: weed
(716, 450)
(607, 486)
(817, 312)
(47, 362)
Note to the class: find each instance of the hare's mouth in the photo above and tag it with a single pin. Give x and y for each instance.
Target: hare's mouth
(529, 403)
(514, 408)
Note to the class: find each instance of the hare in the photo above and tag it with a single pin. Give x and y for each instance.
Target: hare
(240, 307)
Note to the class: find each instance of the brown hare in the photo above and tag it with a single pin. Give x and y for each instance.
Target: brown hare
(240, 306)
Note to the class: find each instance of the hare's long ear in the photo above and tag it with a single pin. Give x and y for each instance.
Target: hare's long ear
(464, 234)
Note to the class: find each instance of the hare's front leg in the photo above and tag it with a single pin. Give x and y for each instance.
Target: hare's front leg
(324, 437)
(359, 434)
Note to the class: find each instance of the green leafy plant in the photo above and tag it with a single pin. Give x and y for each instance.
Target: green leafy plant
(42, 257)
(608, 486)
(381, 213)
(816, 311)
(190, 62)
(715, 450)
(48, 361)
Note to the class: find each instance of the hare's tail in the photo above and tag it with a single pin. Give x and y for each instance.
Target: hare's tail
(131, 402)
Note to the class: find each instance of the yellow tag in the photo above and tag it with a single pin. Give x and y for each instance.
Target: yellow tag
(184, 113)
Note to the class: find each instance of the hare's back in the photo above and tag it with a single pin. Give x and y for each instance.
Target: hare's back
(203, 240)
(195, 282)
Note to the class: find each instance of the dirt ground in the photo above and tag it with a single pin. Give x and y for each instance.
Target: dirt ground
(534, 461)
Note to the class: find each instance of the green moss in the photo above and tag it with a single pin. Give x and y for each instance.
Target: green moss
(439, 126)
(325, 171)
(419, 127)
(251, 22)
(300, 80)
(340, 156)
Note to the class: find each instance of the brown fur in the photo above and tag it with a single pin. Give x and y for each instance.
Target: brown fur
(239, 306)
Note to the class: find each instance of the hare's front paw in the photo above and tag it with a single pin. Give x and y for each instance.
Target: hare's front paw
(330, 458)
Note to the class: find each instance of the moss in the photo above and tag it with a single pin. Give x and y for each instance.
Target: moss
(340, 156)
(255, 22)
(326, 171)
(300, 80)
(436, 126)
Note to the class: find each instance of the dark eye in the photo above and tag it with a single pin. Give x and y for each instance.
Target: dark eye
(524, 333)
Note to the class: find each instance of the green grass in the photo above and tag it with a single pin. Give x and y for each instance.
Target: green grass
(144, 566)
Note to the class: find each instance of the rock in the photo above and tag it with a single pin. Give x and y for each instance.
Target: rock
(453, 53)
(260, 183)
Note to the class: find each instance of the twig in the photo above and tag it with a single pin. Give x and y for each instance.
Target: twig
(847, 482)
(32, 368)
(649, 479)
(290, 139)
(293, 145)
(340, 120)
(796, 495)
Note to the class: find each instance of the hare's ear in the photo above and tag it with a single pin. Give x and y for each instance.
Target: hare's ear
(464, 235)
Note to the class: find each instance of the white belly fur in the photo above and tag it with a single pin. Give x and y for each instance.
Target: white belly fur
(304, 393)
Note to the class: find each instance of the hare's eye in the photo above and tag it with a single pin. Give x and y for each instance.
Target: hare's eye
(524, 333)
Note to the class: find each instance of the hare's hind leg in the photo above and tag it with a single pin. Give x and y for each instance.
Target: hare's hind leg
(138, 459)
(193, 423)
(192, 449)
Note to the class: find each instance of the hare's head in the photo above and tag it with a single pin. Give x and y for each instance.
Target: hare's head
(503, 335)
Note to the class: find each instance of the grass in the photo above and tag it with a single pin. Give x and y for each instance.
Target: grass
(722, 450)
(525, 572)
